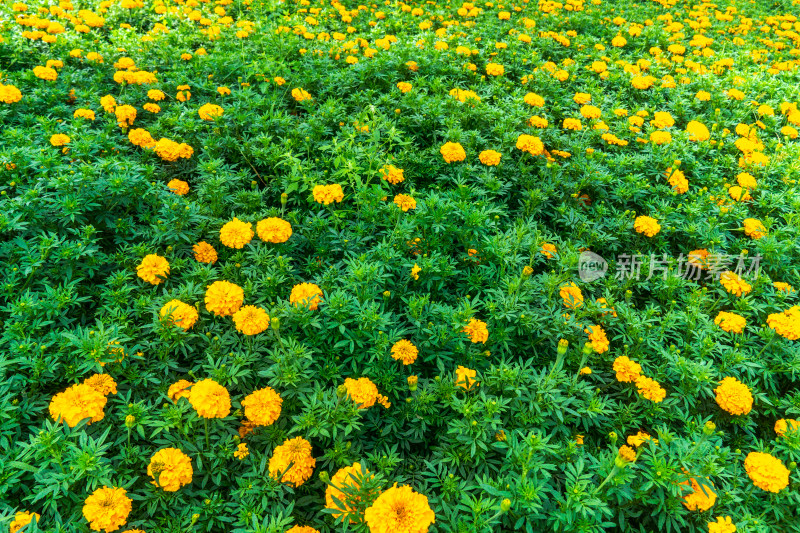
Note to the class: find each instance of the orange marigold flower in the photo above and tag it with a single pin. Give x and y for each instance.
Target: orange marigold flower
(88, 114)
(251, 320)
(178, 187)
(730, 322)
(405, 202)
(22, 519)
(76, 403)
(210, 399)
(766, 472)
(364, 393)
(598, 338)
(548, 250)
(224, 298)
(787, 323)
(571, 295)
(153, 269)
(204, 253)
(102, 383)
(235, 234)
(351, 478)
(734, 396)
(126, 114)
(179, 314)
(754, 229)
(490, 158)
(734, 284)
(210, 112)
(274, 229)
(530, 144)
(701, 498)
(300, 95)
(405, 351)
(107, 509)
(627, 454)
(392, 174)
(477, 331)
(169, 150)
(170, 469)
(627, 370)
(404, 86)
(399, 509)
(327, 194)
(306, 294)
(179, 389)
(646, 226)
(465, 377)
(141, 137)
(296, 452)
(263, 407)
(650, 389)
(784, 425)
(452, 152)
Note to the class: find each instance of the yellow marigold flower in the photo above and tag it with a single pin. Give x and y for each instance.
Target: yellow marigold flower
(224, 298)
(210, 112)
(722, 525)
(703, 96)
(180, 314)
(45, 73)
(155, 95)
(452, 152)
(754, 229)
(534, 100)
(660, 137)
(125, 114)
(210, 399)
(748, 181)
(579, 440)
(619, 41)
(538, 122)
(108, 103)
(335, 499)
(178, 187)
(153, 269)
(300, 95)
(141, 138)
(786, 424)
(405, 351)
(399, 509)
(297, 453)
(404, 86)
(701, 498)
(88, 114)
(477, 331)
(169, 150)
(9, 94)
(783, 287)
(392, 174)
(548, 250)
(598, 338)
(735, 94)
(465, 377)
(151, 107)
(627, 370)
(102, 383)
(590, 112)
(787, 323)
(263, 407)
(734, 396)
(59, 139)
(646, 225)
(327, 194)
(640, 438)
(235, 234)
(730, 322)
(495, 69)
(241, 451)
(179, 389)
(251, 320)
(204, 253)
(302, 529)
(585, 371)
(697, 131)
(571, 295)
(572, 124)
(170, 469)
(22, 519)
(642, 82)
(734, 284)
(530, 144)
(223, 91)
(766, 472)
(281, 81)
(677, 179)
(364, 393)
(415, 270)
(650, 389)
(405, 202)
(107, 509)
(627, 453)
(306, 294)
(273, 229)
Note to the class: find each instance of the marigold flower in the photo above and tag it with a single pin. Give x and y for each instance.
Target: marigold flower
(404, 86)
(452, 152)
(169, 150)
(364, 393)
(22, 519)
(108, 103)
(697, 131)
(210, 399)
(262, 407)
(465, 377)
(415, 270)
(180, 314)
(178, 187)
(734, 396)
(572, 124)
(179, 389)
(784, 425)
(224, 298)
(490, 158)
(204, 253)
(153, 269)
(549, 250)
(754, 229)
(703, 96)
(273, 229)
(327, 194)
(405, 351)
(141, 137)
(405, 202)
(495, 69)
(76, 403)
(590, 112)
(477, 331)
(650, 389)
(45, 73)
(646, 225)
(9, 94)
(349, 477)
(155, 95)
(300, 95)
(59, 139)
(722, 525)
(88, 114)
(306, 294)
(392, 174)
(701, 498)
(597, 336)
(241, 451)
(534, 100)
(235, 234)
(251, 320)
(627, 370)
(571, 295)
(399, 509)
(787, 323)
(102, 383)
(125, 114)
(530, 144)
(107, 509)
(730, 322)
(627, 453)
(640, 438)
(210, 112)
(782, 286)
(660, 137)
(170, 469)
(302, 529)
(150, 107)
(296, 452)
(734, 284)
(223, 91)
(766, 472)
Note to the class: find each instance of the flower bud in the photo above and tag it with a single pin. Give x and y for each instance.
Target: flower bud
(562, 346)
(587, 348)
(284, 198)
(130, 420)
(341, 391)
(505, 505)
(412, 383)
(527, 271)
(275, 323)
(195, 518)
(324, 477)
(709, 428)
(613, 437)
(386, 294)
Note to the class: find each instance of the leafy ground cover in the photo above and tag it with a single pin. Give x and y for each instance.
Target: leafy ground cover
(392, 267)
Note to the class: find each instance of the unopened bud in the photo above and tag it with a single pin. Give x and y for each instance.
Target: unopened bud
(709, 428)
(195, 518)
(284, 198)
(324, 477)
(275, 323)
(341, 391)
(130, 420)
(587, 348)
(613, 437)
(527, 271)
(412, 383)
(563, 344)
(505, 505)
